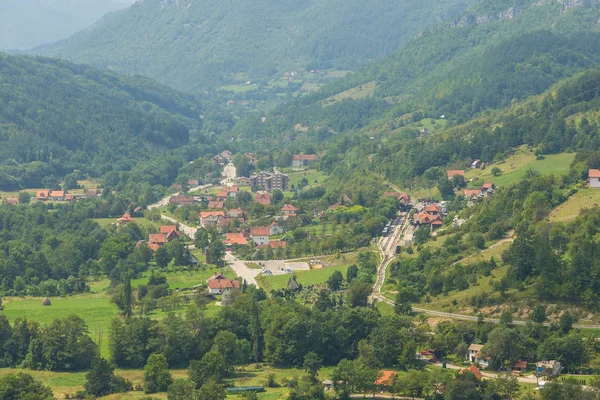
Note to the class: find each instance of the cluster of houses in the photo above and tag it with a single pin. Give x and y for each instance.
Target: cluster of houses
(62, 195)
(259, 236)
(166, 234)
(403, 198)
(430, 215)
(484, 191)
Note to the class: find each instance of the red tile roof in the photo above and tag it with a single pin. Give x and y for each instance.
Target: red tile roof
(453, 172)
(42, 194)
(385, 378)
(222, 194)
(167, 228)
(487, 185)
(57, 193)
(474, 370)
(289, 207)
(260, 231)
(125, 218)
(263, 198)
(433, 209)
(521, 364)
(232, 189)
(220, 282)
(158, 238)
(594, 173)
(206, 214)
(472, 193)
(274, 244)
(235, 238)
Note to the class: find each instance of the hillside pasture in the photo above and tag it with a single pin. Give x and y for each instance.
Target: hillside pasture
(570, 209)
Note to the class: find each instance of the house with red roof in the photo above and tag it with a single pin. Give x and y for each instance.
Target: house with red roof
(222, 195)
(263, 198)
(260, 235)
(288, 210)
(434, 210)
(193, 182)
(232, 191)
(301, 160)
(156, 240)
(57, 195)
(182, 200)
(232, 239)
(218, 284)
(125, 219)
(274, 244)
(211, 218)
(42, 195)
(170, 231)
(472, 194)
(455, 172)
(594, 178)
(487, 186)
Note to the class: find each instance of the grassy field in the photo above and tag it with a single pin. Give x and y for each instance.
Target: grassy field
(570, 209)
(313, 177)
(514, 168)
(306, 278)
(65, 383)
(360, 92)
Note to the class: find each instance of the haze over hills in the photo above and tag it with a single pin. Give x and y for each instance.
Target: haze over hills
(28, 23)
(192, 45)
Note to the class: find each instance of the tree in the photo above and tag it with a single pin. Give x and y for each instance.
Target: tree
(211, 391)
(307, 389)
(162, 257)
(505, 387)
(504, 345)
(24, 197)
(276, 196)
(312, 364)
(358, 293)
(352, 273)
(496, 171)
(538, 315)
(101, 380)
(335, 281)
(211, 367)
(566, 322)
(422, 235)
(157, 377)
(406, 295)
(506, 318)
(216, 252)
(23, 386)
(181, 389)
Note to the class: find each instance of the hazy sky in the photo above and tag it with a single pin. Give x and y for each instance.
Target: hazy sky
(28, 23)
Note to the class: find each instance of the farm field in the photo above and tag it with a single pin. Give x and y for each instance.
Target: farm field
(514, 167)
(360, 92)
(570, 209)
(313, 177)
(306, 278)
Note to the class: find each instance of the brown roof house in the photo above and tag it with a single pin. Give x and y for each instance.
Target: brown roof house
(455, 172)
(125, 219)
(218, 284)
(594, 178)
(474, 355)
(170, 231)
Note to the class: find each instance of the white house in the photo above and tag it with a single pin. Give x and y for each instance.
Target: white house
(474, 355)
(276, 229)
(211, 218)
(594, 178)
(260, 235)
(218, 284)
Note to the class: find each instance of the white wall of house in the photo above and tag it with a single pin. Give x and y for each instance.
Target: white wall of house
(258, 240)
(595, 182)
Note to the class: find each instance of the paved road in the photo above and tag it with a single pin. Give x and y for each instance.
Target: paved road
(241, 270)
(190, 231)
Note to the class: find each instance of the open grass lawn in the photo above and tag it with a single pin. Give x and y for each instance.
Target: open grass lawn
(570, 209)
(364, 91)
(239, 88)
(306, 278)
(313, 176)
(515, 167)
(95, 309)
(68, 383)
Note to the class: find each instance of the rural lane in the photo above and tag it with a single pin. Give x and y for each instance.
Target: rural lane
(241, 270)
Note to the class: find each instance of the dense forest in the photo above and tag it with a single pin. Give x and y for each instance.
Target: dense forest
(197, 45)
(57, 117)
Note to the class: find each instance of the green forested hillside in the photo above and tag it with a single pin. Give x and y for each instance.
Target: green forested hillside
(56, 117)
(26, 24)
(192, 45)
(496, 52)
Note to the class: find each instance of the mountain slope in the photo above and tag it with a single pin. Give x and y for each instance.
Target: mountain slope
(193, 44)
(30, 23)
(56, 117)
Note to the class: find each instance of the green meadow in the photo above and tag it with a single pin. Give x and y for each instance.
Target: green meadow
(306, 278)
